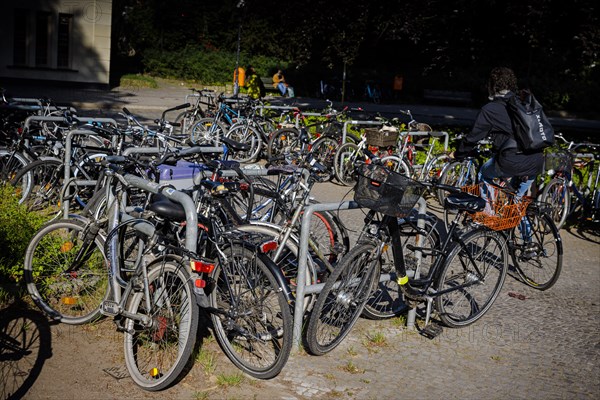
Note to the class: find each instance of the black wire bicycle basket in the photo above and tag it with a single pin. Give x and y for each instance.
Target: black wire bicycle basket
(559, 160)
(386, 191)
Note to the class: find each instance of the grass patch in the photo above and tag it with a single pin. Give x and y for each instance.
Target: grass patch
(230, 380)
(138, 81)
(352, 368)
(207, 360)
(376, 339)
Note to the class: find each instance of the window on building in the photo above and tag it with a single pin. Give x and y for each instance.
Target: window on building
(20, 37)
(42, 39)
(65, 22)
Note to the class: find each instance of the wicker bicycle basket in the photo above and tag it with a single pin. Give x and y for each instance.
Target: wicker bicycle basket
(381, 137)
(388, 192)
(503, 209)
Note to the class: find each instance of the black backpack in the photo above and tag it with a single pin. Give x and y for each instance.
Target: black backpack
(533, 132)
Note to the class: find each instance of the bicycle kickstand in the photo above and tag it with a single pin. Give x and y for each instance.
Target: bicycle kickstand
(430, 330)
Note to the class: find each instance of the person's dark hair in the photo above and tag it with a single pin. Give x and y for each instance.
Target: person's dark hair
(502, 78)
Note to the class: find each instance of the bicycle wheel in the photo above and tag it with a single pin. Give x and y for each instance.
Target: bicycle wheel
(323, 150)
(157, 350)
(66, 272)
(38, 185)
(244, 133)
(187, 119)
(345, 161)
(387, 301)
(343, 298)
(10, 163)
(207, 131)
(557, 194)
(458, 173)
(398, 165)
(435, 166)
(253, 324)
(537, 251)
(471, 278)
(284, 142)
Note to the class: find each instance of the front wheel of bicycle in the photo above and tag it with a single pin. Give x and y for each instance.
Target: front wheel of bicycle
(158, 347)
(537, 251)
(66, 272)
(253, 321)
(343, 298)
(471, 278)
(246, 134)
(398, 164)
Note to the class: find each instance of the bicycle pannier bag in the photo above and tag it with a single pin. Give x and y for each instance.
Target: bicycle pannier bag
(532, 130)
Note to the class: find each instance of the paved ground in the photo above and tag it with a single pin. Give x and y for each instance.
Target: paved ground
(531, 345)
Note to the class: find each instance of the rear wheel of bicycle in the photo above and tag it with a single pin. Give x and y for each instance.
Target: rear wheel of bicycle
(243, 133)
(345, 162)
(537, 252)
(556, 194)
(66, 272)
(398, 165)
(253, 321)
(158, 348)
(471, 278)
(343, 298)
(282, 142)
(38, 185)
(207, 131)
(10, 163)
(187, 119)
(458, 173)
(323, 150)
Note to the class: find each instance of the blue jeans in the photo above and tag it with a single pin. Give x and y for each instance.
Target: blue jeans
(486, 174)
(282, 88)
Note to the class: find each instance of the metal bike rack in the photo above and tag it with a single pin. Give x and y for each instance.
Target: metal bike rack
(302, 289)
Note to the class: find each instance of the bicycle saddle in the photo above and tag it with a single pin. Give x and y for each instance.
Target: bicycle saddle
(464, 202)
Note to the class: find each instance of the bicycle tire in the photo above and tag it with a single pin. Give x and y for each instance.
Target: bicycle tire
(156, 354)
(71, 294)
(398, 165)
(323, 150)
(457, 174)
(345, 161)
(10, 163)
(254, 324)
(557, 194)
(342, 299)
(387, 301)
(539, 261)
(207, 131)
(246, 134)
(38, 185)
(283, 141)
(460, 304)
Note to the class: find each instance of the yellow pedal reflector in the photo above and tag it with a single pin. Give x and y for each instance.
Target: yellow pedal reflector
(66, 246)
(402, 280)
(154, 372)
(70, 301)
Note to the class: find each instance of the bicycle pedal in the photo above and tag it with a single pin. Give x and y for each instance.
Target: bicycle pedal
(431, 331)
(110, 308)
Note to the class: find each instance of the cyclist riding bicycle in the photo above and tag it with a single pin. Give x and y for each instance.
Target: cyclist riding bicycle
(493, 121)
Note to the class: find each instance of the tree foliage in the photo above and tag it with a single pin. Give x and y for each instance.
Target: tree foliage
(552, 46)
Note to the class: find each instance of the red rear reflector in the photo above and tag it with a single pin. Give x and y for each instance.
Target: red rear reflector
(202, 266)
(268, 246)
(200, 283)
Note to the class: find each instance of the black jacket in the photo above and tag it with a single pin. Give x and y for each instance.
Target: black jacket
(493, 121)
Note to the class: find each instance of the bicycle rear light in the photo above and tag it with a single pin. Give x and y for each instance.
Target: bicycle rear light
(200, 283)
(202, 266)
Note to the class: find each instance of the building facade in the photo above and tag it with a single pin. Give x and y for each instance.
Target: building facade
(56, 40)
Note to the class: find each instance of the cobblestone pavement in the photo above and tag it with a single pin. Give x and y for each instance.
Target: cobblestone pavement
(530, 345)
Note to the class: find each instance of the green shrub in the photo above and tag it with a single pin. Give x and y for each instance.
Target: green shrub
(17, 227)
(138, 81)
